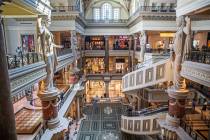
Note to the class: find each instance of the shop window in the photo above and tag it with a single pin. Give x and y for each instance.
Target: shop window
(27, 42)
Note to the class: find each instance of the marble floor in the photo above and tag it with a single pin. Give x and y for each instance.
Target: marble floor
(103, 123)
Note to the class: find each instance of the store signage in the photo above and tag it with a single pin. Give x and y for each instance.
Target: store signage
(167, 34)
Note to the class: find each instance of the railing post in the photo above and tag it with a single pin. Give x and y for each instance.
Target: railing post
(15, 57)
(21, 55)
(27, 56)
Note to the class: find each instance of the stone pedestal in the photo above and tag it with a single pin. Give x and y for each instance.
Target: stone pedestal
(177, 100)
(176, 109)
(49, 101)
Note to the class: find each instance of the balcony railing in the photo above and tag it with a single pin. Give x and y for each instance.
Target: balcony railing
(199, 56)
(65, 8)
(154, 9)
(105, 21)
(15, 61)
(63, 51)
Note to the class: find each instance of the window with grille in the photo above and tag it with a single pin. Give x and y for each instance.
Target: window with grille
(116, 13)
(106, 11)
(96, 13)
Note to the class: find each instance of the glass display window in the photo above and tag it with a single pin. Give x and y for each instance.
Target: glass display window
(27, 42)
(94, 65)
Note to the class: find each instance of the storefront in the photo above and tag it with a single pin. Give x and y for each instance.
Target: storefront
(63, 38)
(118, 64)
(159, 41)
(27, 43)
(96, 88)
(118, 43)
(94, 43)
(94, 65)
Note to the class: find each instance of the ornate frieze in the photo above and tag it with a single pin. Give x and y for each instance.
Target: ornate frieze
(24, 77)
(197, 72)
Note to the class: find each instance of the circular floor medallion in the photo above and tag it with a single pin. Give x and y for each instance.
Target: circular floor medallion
(108, 110)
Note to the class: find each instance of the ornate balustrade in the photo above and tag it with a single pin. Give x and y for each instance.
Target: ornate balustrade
(63, 51)
(197, 72)
(200, 56)
(15, 61)
(188, 127)
(141, 125)
(153, 9)
(148, 75)
(107, 21)
(100, 53)
(65, 9)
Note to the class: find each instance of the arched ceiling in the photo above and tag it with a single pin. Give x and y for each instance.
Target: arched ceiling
(124, 3)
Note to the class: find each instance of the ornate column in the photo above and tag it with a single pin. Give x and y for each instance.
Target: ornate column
(78, 108)
(80, 93)
(106, 88)
(134, 50)
(48, 94)
(130, 55)
(74, 45)
(106, 59)
(143, 41)
(7, 117)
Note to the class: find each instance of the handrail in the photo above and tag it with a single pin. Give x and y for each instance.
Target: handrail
(107, 21)
(199, 56)
(63, 51)
(22, 59)
(65, 8)
(147, 112)
(154, 9)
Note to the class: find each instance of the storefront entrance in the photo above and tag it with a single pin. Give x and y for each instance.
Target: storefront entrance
(96, 88)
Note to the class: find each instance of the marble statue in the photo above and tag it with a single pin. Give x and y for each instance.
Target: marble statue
(48, 50)
(188, 41)
(143, 40)
(179, 43)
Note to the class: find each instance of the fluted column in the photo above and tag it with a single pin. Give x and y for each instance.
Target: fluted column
(7, 117)
(106, 59)
(107, 88)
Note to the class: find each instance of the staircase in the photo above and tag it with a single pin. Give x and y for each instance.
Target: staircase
(149, 73)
